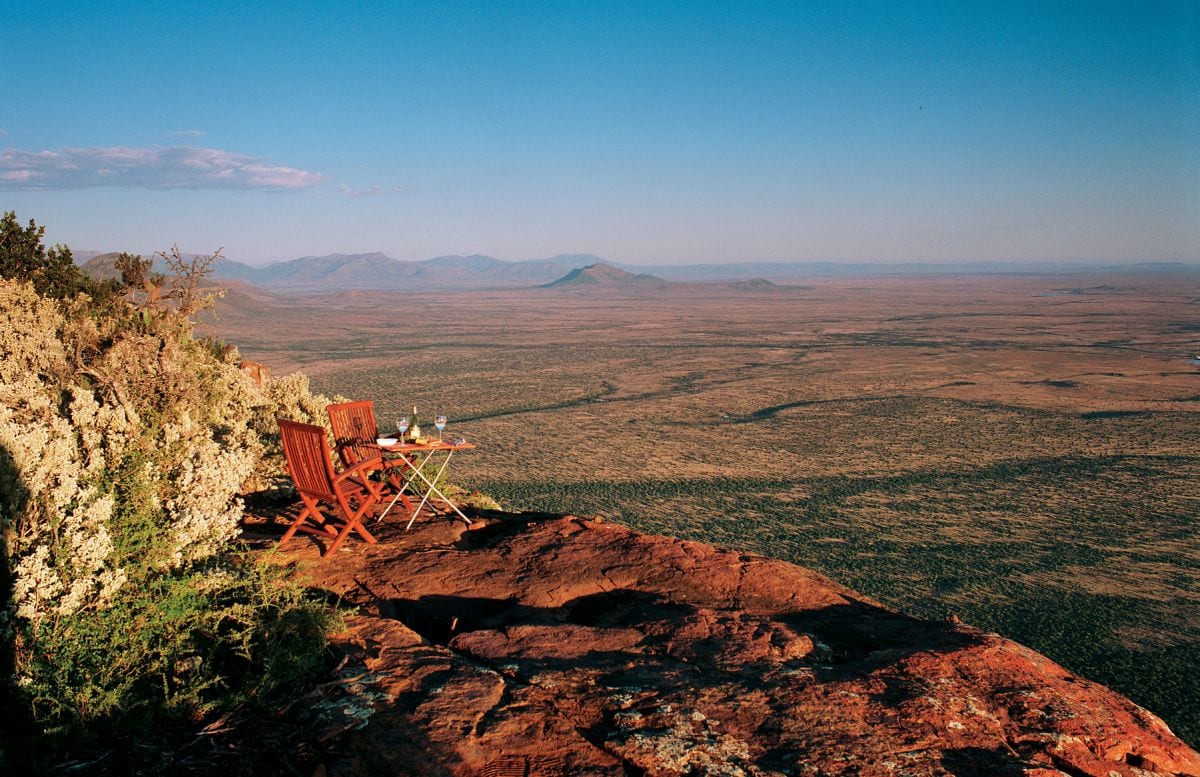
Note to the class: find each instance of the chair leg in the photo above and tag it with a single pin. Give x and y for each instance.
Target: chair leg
(362, 529)
(310, 511)
(379, 490)
(393, 479)
(353, 523)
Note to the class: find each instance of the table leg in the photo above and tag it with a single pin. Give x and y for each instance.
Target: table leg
(416, 468)
(450, 504)
(391, 504)
(432, 488)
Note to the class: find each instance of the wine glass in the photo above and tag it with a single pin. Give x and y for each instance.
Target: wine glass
(402, 425)
(440, 423)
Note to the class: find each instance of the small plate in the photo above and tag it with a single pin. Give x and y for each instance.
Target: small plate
(386, 441)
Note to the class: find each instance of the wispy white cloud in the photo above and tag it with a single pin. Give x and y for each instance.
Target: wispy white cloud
(186, 134)
(366, 191)
(3, 132)
(170, 167)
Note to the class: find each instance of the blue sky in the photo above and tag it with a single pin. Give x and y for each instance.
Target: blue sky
(642, 132)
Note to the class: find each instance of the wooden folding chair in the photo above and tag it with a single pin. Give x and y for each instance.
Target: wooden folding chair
(354, 433)
(307, 453)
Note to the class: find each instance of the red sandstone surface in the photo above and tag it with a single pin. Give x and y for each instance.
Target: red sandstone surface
(563, 646)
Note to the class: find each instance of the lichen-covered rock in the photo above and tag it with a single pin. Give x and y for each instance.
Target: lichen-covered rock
(573, 647)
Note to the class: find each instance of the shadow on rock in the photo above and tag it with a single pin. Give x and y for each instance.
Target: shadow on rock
(860, 637)
(501, 526)
(978, 762)
(623, 608)
(439, 618)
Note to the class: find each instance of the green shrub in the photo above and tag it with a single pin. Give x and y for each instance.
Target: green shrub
(51, 271)
(129, 613)
(172, 649)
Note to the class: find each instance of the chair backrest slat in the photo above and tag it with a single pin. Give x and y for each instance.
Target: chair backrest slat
(354, 430)
(307, 454)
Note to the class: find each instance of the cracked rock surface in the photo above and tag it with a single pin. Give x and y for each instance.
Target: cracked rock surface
(563, 646)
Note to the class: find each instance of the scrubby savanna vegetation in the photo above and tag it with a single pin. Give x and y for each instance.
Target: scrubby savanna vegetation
(1019, 451)
(131, 616)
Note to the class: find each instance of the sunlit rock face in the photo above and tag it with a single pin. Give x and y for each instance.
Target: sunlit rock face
(569, 646)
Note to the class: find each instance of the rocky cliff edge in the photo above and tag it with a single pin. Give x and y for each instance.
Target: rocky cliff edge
(559, 645)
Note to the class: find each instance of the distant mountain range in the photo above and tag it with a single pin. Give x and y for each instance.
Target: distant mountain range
(444, 273)
(378, 271)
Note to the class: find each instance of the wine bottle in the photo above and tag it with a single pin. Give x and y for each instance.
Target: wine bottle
(415, 428)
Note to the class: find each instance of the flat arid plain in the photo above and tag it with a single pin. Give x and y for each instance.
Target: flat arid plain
(1020, 452)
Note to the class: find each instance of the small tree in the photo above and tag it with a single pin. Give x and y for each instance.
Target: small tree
(185, 276)
(138, 282)
(51, 271)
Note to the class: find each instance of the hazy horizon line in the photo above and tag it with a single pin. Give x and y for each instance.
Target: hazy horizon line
(850, 262)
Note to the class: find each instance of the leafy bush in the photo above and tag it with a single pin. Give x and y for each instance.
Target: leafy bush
(124, 442)
(51, 271)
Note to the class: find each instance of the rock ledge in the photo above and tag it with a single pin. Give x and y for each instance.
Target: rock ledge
(566, 646)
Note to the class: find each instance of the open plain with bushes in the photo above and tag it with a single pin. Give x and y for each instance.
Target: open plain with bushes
(1021, 452)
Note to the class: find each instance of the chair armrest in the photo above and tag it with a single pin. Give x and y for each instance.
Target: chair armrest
(356, 443)
(358, 446)
(366, 465)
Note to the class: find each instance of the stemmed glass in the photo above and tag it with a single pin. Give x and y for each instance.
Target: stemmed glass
(402, 425)
(440, 423)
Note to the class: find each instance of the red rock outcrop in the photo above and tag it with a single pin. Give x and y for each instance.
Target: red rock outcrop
(565, 646)
(259, 373)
